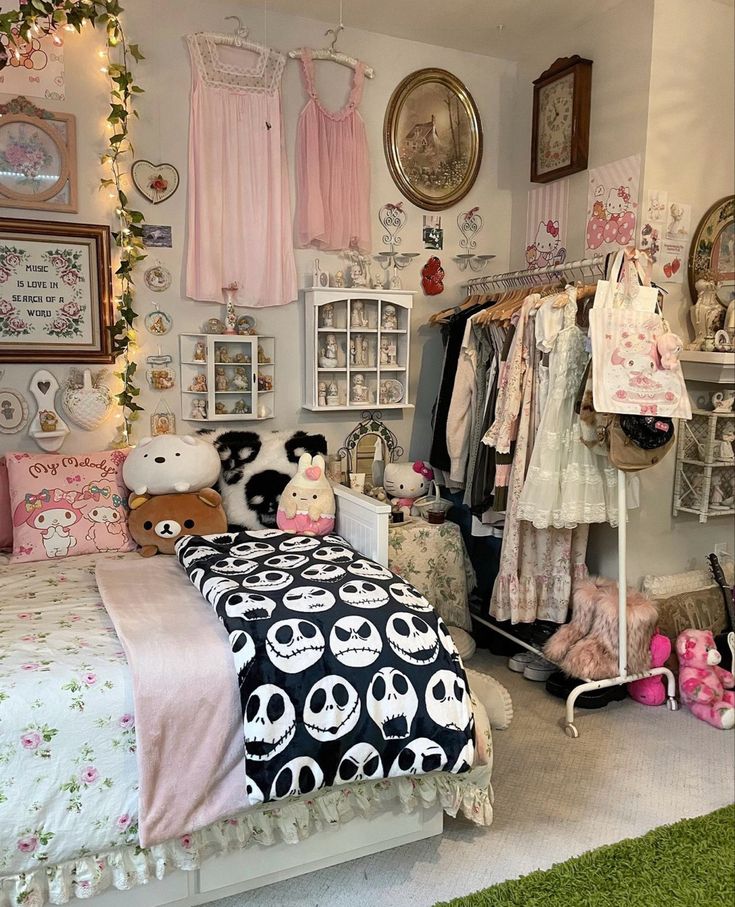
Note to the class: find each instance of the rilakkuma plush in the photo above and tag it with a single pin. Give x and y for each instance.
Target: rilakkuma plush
(669, 347)
(651, 690)
(171, 463)
(404, 482)
(156, 522)
(587, 647)
(704, 686)
(307, 502)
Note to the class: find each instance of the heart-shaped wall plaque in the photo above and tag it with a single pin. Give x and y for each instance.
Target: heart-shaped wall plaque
(156, 182)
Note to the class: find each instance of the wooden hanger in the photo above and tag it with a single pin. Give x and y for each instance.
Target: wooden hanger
(331, 53)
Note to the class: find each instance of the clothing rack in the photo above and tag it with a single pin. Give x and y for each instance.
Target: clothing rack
(586, 269)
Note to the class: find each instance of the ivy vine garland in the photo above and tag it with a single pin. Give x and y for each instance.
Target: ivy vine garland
(42, 17)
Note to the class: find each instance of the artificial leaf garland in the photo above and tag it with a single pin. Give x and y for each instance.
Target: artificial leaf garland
(35, 17)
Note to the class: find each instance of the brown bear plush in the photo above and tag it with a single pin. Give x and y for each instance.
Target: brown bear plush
(156, 522)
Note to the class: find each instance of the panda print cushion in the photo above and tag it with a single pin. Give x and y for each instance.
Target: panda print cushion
(346, 673)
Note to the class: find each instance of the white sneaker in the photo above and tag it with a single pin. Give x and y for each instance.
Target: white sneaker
(539, 669)
(520, 661)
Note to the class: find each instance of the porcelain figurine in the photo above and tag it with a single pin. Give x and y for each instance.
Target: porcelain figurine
(200, 352)
(359, 391)
(240, 408)
(198, 409)
(240, 380)
(357, 315)
(199, 384)
(384, 351)
(220, 409)
(49, 420)
(328, 358)
(365, 352)
(339, 280)
(723, 451)
(328, 315)
(220, 379)
(389, 322)
(322, 396)
(707, 315)
(723, 401)
(332, 394)
(262, 358)
(222, 356)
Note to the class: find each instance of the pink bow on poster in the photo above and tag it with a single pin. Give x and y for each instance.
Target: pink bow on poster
(552, 228)
(624, 193)
(423, 469)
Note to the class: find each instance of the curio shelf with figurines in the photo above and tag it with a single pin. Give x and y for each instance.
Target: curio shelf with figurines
(358, 345)
(227, 377)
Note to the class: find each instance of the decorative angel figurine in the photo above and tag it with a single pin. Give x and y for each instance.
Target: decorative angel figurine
(359, 393)
(198, 409)
(220, 379)
(199, 384)
(240, 380)
(328, 315)
(389, 320)
(707, 315)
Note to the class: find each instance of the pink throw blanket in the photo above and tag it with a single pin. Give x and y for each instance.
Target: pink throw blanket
(188, 717)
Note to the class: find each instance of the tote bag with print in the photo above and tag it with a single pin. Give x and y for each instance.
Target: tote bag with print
(627, 377)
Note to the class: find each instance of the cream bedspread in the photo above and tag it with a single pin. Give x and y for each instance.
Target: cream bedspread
(68, 776)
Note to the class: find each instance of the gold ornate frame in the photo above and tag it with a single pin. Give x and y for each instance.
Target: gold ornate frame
(391, 139)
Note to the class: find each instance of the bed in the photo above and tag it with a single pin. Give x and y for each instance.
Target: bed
(67, 732)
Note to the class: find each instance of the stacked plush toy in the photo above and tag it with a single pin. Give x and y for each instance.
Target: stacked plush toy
(170, 477)
(307, 502)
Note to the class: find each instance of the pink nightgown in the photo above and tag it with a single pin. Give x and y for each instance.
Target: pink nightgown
(239, 228)
(332, 170)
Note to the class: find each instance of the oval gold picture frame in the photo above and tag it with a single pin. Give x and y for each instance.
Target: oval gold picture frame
(433, 138)
(703, 255)
(13, 119)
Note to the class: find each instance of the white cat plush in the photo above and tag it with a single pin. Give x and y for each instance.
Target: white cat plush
(171, 463)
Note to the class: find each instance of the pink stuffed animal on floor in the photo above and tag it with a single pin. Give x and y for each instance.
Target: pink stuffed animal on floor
(703, 686)
(652, 690)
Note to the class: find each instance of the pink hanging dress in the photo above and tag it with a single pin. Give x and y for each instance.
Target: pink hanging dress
(332, 170)
(239, 228)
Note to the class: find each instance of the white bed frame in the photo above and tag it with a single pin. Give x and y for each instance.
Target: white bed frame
(363, 522)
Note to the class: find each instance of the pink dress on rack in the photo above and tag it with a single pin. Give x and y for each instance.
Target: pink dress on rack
(332, 170)
(239, 228)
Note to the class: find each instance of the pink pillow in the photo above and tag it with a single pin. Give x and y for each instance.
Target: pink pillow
(6, 515)
(64, 504)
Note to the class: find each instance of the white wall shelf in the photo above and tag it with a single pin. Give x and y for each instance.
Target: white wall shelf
(711, 368)
(241, 351)
(362, 325)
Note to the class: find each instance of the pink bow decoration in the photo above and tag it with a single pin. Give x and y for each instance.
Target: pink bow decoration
(68, 496)
(34, 78)
(471, 213)
(423, 469)
(552, 228)
(391, 207)
(624, 193)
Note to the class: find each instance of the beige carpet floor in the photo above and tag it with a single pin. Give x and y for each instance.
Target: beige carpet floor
(632, 768)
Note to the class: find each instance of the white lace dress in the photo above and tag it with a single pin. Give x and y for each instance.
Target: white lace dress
(566, 483)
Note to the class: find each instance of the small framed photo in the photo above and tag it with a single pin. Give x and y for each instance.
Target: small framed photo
(157, 236)
(433, 235)
(163, 423)
(55, 292)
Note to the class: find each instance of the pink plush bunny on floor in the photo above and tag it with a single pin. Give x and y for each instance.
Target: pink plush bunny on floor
(704, 686)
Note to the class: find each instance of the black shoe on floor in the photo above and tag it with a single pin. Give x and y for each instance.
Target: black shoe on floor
(561, 685)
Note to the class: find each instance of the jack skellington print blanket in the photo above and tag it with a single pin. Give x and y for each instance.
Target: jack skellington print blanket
(346, 673)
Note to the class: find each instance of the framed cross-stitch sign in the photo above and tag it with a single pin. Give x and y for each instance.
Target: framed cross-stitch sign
(55, 292)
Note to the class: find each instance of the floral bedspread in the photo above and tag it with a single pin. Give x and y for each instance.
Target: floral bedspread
(68, 773)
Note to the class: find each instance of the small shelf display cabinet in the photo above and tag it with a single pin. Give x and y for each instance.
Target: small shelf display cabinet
(227, 377)
(357, 348)
(705, 465)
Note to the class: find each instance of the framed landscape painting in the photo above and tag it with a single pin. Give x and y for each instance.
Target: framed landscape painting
(55, 292)
(432, 137)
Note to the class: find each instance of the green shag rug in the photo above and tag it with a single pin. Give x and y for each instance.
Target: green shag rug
(689, 864)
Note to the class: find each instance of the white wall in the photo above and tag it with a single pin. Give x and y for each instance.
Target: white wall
(162, 134)
(690, 152)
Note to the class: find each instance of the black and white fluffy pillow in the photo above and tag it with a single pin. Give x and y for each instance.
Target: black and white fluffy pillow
(256, 467)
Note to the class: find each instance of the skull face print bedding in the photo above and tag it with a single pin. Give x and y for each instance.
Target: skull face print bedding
(346, 672)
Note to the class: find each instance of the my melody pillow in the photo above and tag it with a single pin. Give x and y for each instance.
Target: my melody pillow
(6, 518)
(66, 504)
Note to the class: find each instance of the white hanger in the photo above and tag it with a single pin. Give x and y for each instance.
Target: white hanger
(238, 37)
(330, 53)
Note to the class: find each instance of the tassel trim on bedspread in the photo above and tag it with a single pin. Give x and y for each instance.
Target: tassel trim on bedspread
(126, 867)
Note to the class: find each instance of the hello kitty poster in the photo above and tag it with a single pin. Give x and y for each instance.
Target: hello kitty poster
(546, 225)
(612, 205)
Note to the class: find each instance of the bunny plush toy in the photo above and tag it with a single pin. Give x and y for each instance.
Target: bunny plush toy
(307, 502)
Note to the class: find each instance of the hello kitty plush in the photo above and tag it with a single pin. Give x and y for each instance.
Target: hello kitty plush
(51, 514)
(704, 686)
(405, 482)
(307, 503)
